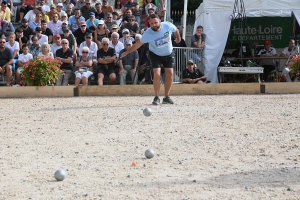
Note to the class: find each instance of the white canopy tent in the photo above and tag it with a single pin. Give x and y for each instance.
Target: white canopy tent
(215, 17)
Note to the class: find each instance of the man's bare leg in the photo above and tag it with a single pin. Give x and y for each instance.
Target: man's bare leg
(168, 80)
(156, 81)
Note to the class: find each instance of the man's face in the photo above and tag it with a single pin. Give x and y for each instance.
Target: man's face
(92, 17)
(115, 38)
(2, 43)
(128, 46)
(128, 13)
(58, 41)
(88, 39)
(109, 18)
(65, 44)
(154, 24)
(130, 1)
(19, 34)
(105, 3)
(199, 31)
(267, 46)
(39, 33)
(64, 25)
(44, 26)
(66, 33)
(131, 21)
(53, 10)
(77, 13)
(150, 12)
(105, 46)
(114, 30)
(42, 2)
(3, 6)
(115, 17)
(59, 8)
(291, 44)
(36, 11)
(125, 34)
(190, 66)
(69, 8)
(98, 8)
(39, 17)
(88, 4)
(55, 18)
(83, 28)
(25, 50)
(35, 40)
(25, 24)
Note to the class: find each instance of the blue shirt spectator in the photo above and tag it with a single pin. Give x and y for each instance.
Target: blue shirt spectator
(73, 22)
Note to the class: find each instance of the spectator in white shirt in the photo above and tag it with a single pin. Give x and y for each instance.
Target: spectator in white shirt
(55, 24)
(23, 58)
(30, 16)
(59, 9)
(91, 45)
(42, 38)
(56, 45)
(116, 44)
(44, 7)
(14, 48)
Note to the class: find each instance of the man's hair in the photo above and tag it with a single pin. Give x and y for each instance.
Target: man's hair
(105, 39)
(4, 2)
(97, 4)
(65, 40)
(108, 14)
(44, 22)
(116, 34)
(115, 13)
(200, 27)
(24, 46)
(154, 16)
(138, 36)
(85, 49)
(19, 30)
(76, 9)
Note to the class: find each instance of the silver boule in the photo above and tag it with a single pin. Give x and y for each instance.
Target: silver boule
(149, 153)
(147, 112)
(60, 175)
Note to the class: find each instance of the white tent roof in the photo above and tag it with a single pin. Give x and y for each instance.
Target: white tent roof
(214, 16)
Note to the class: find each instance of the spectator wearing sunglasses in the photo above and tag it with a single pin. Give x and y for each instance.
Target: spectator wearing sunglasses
(126, 36)
(135, 8)
(132, 26)
(84, 66)
(109, 21)
(81, 32)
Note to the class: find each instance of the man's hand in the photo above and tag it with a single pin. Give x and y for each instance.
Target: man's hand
(1, 70)
(133, 70)
(190, 80)
(177, 40)
(121, 71)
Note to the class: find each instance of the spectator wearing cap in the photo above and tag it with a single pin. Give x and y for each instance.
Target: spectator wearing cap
(37, 22)
(116, 18)
(20, 38)
(92, 22)
(79, 4)
(267, 64)
(132, 26)
(74, 20)
(64, 24)
(92, 46)
(59, 9)
(87, 9)
(80, 32)
(114, 29)
(52, 12)
(192, 74)
(27, 31)
(135, 8)
(106, 8)
(42, 38)
(116, 44)
(30, 15)
(56, 44)
(45, 7)
(55, 24)
(126, 36)
(25, 7)
(100, 33)
(5, 21)
(65, 55)
(67, 34)
(99, 14)
(64, 17)
(47, 31)
(109, 22)
(106, 57)
(129, 64)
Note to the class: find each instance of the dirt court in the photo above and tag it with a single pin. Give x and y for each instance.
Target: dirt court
(207, 147)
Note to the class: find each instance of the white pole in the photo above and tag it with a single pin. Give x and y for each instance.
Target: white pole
(184, 19)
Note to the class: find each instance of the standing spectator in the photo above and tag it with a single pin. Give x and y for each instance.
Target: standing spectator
(135, 8)
(106, 8)
(116, 44)
(59, 9)
(21, 38)
(42, 38)
(35, 47)
(99, 14)
(52, 12)
(198, 39)
(30, 16)
(14, 47)
(119, 8)
(92, 22)
(56, 45)
(92, 46)
(106, 58)
(37, 22)
(6, 61)
(129, 64)
(44, 7)
(126, 36)
(109, 22)
(55, 24)
(132, 26)
(83, 61)
(46, 51)
(80, 32)
(5, 21)
(26, 6)
(65, 55)
(87, 9)
(23, 58)
(27, 31)
(47, 31)
(74, 20)
(100, 33)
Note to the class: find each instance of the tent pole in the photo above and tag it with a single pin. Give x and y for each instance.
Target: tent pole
(184, 19)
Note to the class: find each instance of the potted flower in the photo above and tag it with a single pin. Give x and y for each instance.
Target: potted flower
(295, 67)
(41, 71)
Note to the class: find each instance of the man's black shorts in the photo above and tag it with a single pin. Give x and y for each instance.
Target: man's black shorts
(104, 71)
(166, 61)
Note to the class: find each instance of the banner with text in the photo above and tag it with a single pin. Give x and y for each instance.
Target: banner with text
(259, 29)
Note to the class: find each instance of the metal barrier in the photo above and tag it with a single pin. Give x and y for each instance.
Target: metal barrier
(182, 55)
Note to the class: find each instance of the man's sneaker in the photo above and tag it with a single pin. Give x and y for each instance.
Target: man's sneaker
(167, 100)
(156, 101)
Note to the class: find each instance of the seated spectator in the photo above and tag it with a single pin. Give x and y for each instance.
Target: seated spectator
(64, 24)
(114, 29)
(116, 18)
(6, 61)
(44, 6)
(79, 4)
(192, 74)
(106, 8)
(56, 45)
(55, 24)
(52, 12)
(65, 55)
(119, 8)
(80, 33)
(35, 47)
(27, 31)
(87, 9)
(84, 64)
(69, 10)
(59, 9)
(42, 38)
(30, 16)
(74, 20)
(70, 37)
(66, 3)
(126, 16)
(14, 47)
(94, 3)
(135, 9)
(149, 5)
(44, 16)
(106, 62)
(21, 38)
(100, 33)
(132, 26)
(129, 64)
(64, 17)
(46, 51)
(99, 14)
(126, 36)
(47, 31)
(151, 11)
(92, 22)
(5, 19)
(93, 48)
(37, 22)
(288, 51)
(116, 44)
(109, 22)
(26, 6)
(23, 58)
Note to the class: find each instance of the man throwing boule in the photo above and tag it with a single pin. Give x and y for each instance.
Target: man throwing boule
(161, 53)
